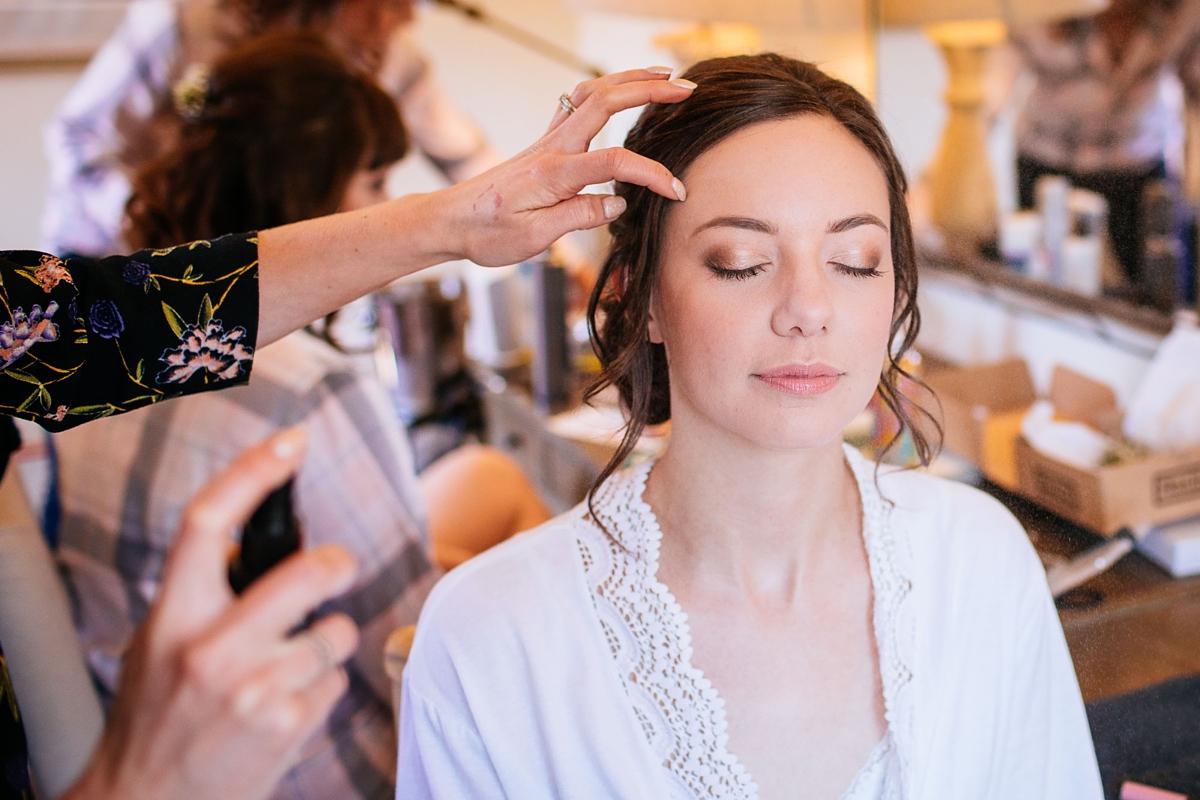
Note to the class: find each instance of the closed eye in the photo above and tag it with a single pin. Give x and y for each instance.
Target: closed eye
(731, 274)
(857, 272)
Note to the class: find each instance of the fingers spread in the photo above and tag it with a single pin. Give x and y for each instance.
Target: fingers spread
(279, 600)
(194, 579)
(580, 128)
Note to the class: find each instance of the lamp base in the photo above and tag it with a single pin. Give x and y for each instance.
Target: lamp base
(963, 191)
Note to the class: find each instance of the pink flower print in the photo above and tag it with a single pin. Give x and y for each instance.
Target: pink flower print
(25, 331)
(208, 351)
(51, 273)
(58, 415)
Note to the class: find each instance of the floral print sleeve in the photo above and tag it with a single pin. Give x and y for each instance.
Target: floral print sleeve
(86, 338)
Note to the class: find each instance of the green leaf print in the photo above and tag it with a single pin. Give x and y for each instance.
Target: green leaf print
(174, 320)
(206, 311)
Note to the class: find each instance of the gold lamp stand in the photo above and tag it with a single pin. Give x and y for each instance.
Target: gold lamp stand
(963, 190)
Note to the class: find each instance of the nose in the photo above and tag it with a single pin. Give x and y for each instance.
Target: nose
(804, 302)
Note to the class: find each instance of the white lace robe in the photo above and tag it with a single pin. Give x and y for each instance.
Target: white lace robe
(558, 666)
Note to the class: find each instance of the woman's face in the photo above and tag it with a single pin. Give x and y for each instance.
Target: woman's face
(367, 187)
(775, 293)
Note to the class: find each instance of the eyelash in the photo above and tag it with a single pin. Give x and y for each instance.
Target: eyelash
(725, 273)
(858, 272)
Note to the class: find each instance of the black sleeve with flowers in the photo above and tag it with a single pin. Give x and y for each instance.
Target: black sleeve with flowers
(86, 338)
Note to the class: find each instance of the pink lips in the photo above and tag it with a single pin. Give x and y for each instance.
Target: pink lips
(802, 380)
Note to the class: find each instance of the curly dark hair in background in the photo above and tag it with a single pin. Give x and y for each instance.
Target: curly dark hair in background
(278, 133)
(732, 94)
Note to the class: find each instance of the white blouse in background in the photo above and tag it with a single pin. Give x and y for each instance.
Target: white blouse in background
(557, 665)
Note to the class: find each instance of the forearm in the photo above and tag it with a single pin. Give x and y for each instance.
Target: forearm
(311, 268)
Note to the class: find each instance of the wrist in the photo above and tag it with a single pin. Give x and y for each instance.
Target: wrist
(443, 227)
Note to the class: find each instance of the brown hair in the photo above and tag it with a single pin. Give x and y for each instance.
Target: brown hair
(732, 94)
(262, 14)
(275, 137)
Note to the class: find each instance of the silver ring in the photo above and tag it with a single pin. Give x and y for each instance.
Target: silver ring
(323, 648)
(564, 101)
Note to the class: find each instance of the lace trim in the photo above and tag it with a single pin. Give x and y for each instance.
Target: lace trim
(679, 710)
(681, 713)
(889, 559)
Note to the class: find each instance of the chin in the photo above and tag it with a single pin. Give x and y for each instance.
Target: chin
(791, 428)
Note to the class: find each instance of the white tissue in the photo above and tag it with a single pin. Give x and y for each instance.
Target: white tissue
(1069, 442)
(1165, 412)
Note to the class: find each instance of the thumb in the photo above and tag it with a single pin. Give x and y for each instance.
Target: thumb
(583, 212)
(195, 586)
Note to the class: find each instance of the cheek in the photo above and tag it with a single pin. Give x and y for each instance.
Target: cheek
(868, 321)
(705, 330)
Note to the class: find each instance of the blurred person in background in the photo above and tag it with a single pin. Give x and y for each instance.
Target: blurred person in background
(321, 143)
(1102, 109)
(103, 127)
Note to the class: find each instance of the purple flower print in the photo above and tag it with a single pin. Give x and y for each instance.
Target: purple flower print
(25, 331)
(136, 272)
(105, 319)
(209, 351)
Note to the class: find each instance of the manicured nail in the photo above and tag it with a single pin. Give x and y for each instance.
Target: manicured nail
(684, 82)
(680, 192)
(289, 442)
(660, 70)
(613, 206)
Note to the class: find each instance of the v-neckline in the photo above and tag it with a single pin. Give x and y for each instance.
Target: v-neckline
(649, 544)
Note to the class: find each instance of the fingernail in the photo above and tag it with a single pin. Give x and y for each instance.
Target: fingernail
(289, 442)
(684, 82)
(677, 185)
(660, 70)
(613, 206)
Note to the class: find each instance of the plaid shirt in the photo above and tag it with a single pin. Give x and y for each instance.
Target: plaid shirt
(124, 482)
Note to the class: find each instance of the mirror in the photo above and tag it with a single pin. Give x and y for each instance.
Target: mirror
(1081, 122)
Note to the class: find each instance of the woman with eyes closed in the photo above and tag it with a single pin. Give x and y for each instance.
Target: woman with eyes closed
(759, 612)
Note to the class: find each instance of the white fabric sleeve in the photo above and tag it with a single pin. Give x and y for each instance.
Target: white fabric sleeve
(442, 756)
(1046, 745)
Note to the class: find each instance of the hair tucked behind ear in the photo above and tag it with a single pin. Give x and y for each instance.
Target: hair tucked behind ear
(273, 136)
(731, 94)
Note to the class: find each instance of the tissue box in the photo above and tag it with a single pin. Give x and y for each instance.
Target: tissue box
(1163, 487)
(1176, 547)
(982, 407)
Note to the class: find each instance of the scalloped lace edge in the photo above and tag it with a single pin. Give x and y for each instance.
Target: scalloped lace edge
(693, 740)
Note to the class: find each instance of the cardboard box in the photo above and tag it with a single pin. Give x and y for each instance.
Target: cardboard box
(981, 412)
(1162, 487)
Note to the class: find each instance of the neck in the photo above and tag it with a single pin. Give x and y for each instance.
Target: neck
(736, 515)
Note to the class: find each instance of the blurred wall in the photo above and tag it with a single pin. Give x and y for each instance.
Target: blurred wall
(28, 96)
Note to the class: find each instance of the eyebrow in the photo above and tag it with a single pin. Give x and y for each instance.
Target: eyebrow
(858, 220)
(762, 226)
(745, 223)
